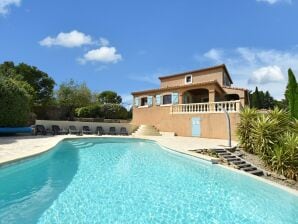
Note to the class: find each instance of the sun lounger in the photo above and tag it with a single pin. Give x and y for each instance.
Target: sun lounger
(112, 131)
(123, 131)
(41, 130)
(99, 130)
(73, 130)
(57, 130)
(86, 130)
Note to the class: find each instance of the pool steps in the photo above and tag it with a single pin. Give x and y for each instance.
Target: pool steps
(235, 160)
(238, 162)
(146, 130)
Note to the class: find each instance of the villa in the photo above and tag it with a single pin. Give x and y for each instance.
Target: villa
(192, 103)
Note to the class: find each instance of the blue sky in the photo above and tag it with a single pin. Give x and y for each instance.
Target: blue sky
(126, 45)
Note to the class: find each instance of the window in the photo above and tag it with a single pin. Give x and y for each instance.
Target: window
(144, 101)
(188, 79)
(167, 99)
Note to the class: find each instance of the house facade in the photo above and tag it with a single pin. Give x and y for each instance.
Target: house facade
(192, 103)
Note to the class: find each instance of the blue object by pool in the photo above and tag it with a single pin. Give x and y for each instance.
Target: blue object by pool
(134, 181)
(15, 130)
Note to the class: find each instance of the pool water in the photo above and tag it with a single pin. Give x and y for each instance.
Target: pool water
(134, 181)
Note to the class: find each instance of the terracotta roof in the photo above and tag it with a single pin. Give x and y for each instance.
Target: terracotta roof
(178, 86)
(223, 66)
(230, 87)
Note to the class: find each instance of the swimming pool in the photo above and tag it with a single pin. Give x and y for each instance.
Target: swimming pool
(115, 180)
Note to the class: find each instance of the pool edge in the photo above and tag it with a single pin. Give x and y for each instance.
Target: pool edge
(25, 157)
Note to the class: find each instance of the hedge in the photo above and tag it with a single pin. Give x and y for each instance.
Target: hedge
(14, 104)
(106, 111)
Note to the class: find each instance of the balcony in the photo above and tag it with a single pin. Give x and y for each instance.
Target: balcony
(210, 107)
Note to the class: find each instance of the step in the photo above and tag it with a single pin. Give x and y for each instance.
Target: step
(250, 168)
(239, 162)
(257, 172)
(238, 154)
(230, 157)
(219, 150)
(244, 165)
(224, 154)
(146, 130)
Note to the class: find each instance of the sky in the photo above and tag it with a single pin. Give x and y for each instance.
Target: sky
(126, 45)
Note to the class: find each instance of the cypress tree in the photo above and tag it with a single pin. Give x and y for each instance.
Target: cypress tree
(268, 101)
(256, 101)
(292, 94)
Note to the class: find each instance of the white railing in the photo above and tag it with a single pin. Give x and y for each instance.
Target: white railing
(211, 107)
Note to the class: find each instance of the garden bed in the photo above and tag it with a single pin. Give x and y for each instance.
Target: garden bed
(255, 160)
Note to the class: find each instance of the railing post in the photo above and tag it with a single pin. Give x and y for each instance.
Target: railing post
(237, 106)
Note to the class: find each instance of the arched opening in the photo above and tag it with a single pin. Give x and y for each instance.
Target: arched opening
(231, 97)
(196, 96)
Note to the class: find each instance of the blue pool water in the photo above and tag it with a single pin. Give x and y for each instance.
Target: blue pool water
(134, 181)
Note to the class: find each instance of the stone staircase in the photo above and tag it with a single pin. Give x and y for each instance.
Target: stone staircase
(237, 162)
(146, 130)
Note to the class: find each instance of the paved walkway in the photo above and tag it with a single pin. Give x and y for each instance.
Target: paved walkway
(15, 148)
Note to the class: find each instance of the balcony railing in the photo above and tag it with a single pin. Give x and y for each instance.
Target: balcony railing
(211, 107)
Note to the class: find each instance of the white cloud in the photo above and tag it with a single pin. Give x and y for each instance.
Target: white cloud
(266, 75)
(249, 67)
(104, 42)
(103, 54)
(6, 4)
(71, 39)
(214, 54)
(271, 2)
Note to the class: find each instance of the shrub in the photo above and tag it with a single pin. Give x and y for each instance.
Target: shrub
(265, 134)
(294, 126)
(114, 111)
(273, 136)
(285, 156)
(282, 117)
(14, 104)
(91, 111)
(107, 111)
(245, 127)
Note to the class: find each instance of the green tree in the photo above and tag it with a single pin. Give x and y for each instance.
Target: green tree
(14, 104)
(281, 104)
(292, 94)
(255, 99)
(268, 101)
(261, 100)
(42, 84)
(109, 97)
(73, 95)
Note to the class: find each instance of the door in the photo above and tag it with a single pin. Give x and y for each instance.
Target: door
(196, 126)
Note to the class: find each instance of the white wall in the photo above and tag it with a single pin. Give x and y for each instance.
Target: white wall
(79, 125)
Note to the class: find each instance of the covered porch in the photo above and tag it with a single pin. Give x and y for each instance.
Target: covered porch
(206, 99)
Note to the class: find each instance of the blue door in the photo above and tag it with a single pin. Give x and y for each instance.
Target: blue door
(196, 126)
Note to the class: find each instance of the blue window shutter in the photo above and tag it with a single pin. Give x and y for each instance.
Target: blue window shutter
(136, 101)
(158, 100)
(175, 98)
(149, 101)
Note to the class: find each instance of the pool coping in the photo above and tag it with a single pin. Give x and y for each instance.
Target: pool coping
(196, 156)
